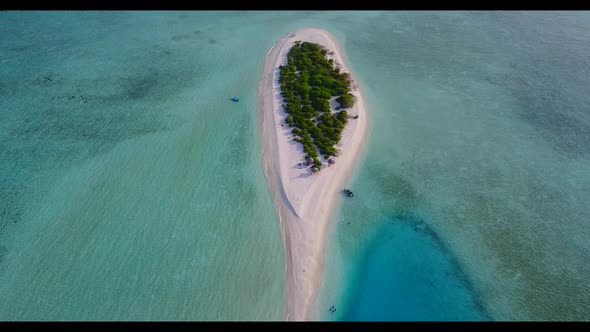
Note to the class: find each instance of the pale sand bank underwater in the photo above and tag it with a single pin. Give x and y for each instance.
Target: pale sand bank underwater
(305, 202)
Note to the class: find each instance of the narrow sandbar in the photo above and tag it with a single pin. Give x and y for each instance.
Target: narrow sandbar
(305, 202)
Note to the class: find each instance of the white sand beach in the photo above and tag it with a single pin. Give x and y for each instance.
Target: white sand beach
(305, 202)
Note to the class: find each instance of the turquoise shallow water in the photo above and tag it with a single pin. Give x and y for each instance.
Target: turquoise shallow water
(479, 133)
(131, 187)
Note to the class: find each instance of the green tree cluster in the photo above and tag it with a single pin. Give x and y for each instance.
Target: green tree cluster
(308, 82)
(345, 101)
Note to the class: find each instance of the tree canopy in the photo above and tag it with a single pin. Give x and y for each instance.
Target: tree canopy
(308, 82)
(345, 101)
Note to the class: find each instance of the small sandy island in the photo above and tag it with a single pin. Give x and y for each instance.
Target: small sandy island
(305, 202)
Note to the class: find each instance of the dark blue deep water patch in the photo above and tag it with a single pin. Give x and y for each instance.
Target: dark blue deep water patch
(406, 274)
